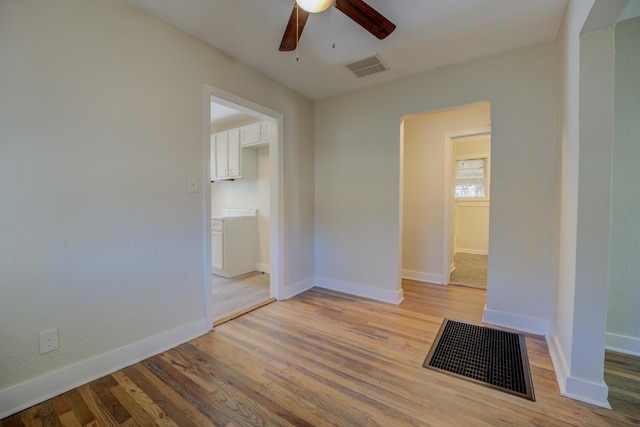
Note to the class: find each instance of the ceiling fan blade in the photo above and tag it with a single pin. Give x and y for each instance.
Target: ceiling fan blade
(291, 36)
(367, 17)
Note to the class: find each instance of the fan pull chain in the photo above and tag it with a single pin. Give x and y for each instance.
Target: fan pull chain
(297, 31)
(333, 33)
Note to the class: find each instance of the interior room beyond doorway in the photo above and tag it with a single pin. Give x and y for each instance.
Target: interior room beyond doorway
(430, 215)
(471, 189)
(240, 210)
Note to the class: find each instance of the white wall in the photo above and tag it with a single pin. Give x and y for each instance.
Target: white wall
(425, 141)
(623, 319)
(576, 338)
(100, 127)
(248, 194)
(357, 178)
(566, 198)
(264, 218)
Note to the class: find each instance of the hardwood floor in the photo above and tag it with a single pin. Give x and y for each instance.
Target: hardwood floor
(239, 295)
(325, 358)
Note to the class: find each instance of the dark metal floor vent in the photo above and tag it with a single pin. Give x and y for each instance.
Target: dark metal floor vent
(491, 357)
(367, 66)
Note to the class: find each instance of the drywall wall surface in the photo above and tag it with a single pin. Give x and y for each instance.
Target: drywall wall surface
(264, 217)
(101, 122)
(594, 203)
(631, 11)
(623, 319)
(566, 196)
(585, 118)
(473, 145)
(472, 227)
(425, 142)
(358, 167)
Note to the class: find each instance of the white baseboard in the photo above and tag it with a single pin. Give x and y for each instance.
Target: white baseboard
(299, 287)
(572, 387)
(472, 251)
(420, 276)
(560, 365)
(265, 268)
(385, 295)
(623, 344)
(518, 322)
(24, 395)
(587, 391)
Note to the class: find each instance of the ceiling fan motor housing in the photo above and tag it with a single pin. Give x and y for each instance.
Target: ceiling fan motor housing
(314, 6)
(358, 10)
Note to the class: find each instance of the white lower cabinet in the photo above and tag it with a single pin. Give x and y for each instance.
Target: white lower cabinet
(217, 245)
(234, 246)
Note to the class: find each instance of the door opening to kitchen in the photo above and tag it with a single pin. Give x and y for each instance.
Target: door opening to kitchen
(242, 142)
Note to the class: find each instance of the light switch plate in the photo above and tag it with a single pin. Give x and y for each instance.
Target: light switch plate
(192, 185)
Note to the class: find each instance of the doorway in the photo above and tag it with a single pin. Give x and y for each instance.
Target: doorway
(469, 209)
(243, 205)
(426, 187)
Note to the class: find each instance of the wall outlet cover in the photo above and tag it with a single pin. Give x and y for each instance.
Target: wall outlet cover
(48, 340)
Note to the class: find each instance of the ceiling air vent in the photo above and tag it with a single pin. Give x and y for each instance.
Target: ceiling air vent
(367, 66)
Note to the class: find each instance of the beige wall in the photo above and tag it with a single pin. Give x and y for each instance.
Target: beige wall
(101, 124)
(472, 227)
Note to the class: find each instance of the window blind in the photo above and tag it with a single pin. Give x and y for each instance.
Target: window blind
(471, 177)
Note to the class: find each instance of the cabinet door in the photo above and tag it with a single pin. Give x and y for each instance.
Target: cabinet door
(222, 156)
(250, 134)
(214, 158)
(265, 132)
(234, 164)
(217, 253)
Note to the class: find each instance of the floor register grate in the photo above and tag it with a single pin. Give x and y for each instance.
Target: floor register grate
(491, 357)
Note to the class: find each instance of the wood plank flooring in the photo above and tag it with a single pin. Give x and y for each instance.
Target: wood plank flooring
(325, 358)
(238, 295)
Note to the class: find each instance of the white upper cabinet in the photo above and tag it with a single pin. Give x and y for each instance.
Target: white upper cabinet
(234, 159)
(250, 134)
(256, 134)
(228, 159)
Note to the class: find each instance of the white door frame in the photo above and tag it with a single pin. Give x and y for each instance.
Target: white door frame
(448, 194)
(276, 189)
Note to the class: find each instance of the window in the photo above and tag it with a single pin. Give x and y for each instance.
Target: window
(472, 177)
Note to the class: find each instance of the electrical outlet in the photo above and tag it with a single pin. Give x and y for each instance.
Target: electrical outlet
(49, 340)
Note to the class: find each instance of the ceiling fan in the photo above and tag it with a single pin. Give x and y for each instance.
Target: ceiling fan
(363, 14)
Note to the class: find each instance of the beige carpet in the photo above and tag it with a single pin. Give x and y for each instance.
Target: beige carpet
(471, 270)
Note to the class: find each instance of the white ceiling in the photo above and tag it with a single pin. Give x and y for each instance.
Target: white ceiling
(222, 116)
(429, 34)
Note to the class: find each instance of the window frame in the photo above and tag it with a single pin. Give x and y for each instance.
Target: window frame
(473, 156)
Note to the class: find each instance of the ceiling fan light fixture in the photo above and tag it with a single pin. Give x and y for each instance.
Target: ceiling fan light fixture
(314, 6)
